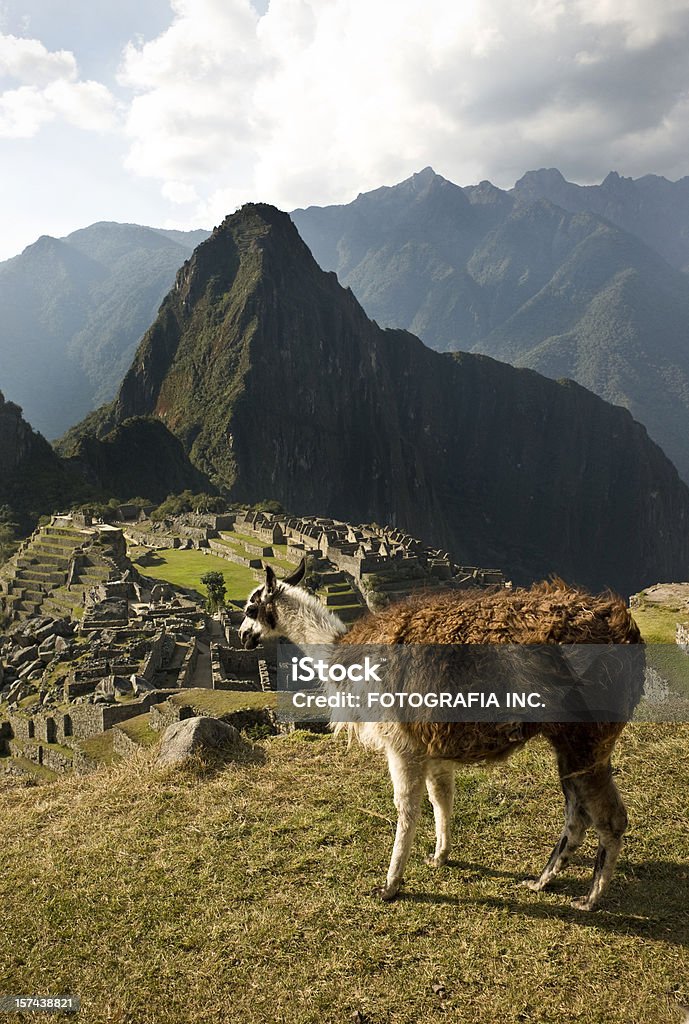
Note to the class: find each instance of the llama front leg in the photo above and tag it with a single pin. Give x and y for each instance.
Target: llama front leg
(408, 774)
(440, 783)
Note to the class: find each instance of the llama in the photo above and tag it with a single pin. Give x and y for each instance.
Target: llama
(427, 753)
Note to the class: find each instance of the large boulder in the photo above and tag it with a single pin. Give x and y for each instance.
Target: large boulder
(181, 739)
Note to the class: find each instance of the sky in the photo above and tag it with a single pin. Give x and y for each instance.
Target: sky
(175, 112)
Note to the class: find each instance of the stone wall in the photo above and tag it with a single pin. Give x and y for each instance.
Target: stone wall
(188, 666)
(221, 550)
(122, 744)
(149, 539)
(164, 714)
(92, 719)
(154, 659)
(49, 756)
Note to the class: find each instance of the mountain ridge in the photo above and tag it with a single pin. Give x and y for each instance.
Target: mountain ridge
(74, 311)
(513, 275)
(277, 384)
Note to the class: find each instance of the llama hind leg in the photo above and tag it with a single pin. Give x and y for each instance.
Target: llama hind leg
(440, 783)
(576, 823)
(609, 816)
(408, 774)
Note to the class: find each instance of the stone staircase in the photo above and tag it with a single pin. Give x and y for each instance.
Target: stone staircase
(57, 556)
(339, 595)
(40, 566)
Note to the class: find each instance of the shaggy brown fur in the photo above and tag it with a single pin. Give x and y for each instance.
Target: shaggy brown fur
(427, 752)
(549, 612)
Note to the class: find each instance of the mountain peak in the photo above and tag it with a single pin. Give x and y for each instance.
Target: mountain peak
(44, 244)
(613, 180)
(425, 175)
(245, 237)
(544, 177)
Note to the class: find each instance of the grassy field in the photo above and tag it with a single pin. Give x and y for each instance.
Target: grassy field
(657, 612)
(185, 569)
(139, 730)
(656, 622)
(223, 702)
(235, 541)
(243, 894)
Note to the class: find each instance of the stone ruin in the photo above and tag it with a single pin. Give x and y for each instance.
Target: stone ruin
(98, 649)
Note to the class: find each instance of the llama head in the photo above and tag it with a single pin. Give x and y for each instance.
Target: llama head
(262, 612)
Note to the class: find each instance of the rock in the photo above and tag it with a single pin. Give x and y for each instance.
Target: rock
(44, 632)
(63, 627)
(140, 684)
(181, 739)
(47, 646)
(33, 666)
(24, 655)
(24, 640)
(106, 688)
(61, 645)
(13, 691)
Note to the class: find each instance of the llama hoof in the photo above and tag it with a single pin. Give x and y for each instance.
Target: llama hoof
(534, 884)
(437, 862)
(387, 893)
(584, 903)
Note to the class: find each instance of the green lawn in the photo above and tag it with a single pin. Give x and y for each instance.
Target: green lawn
(223, 702)
(657, 622)
(234, 541)
(139, 730)
(185, 569)
(244, 894)
(99, 748)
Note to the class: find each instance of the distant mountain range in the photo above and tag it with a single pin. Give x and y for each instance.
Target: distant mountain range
(73, 311)
(585, 282)
(268, 377)
(579, 282)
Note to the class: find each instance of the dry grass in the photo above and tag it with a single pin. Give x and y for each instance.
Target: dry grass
(242, 894)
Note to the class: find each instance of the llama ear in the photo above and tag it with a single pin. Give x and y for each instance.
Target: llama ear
(298, 575)
(271, 580)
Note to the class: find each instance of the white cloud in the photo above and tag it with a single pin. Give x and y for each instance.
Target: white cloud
(22, 112)
(179, 192)
(30, 62)
(315, 100)
(195, 84)
(318, 99)
(51, 91)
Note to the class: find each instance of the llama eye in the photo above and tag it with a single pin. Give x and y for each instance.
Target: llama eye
(252, 612)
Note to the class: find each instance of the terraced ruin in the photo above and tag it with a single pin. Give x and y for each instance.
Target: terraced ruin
(108, 640)
(58, 565)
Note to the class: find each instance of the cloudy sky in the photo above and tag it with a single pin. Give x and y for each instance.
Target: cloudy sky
(174, 112)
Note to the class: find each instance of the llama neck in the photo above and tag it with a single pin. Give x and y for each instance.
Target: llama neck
(304, 620)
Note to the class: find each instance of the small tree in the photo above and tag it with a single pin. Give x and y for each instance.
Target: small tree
(214, 582)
